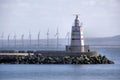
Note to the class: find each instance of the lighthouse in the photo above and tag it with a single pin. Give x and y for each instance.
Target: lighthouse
(77, 38)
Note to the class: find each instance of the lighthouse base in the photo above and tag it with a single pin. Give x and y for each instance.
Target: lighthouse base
(84, 48)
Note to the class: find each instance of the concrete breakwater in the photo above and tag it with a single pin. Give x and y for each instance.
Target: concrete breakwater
(52, 57)
(37, 59)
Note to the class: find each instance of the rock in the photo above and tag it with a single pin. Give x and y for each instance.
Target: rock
(55, 60)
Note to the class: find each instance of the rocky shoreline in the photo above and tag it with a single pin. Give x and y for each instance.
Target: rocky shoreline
(38, 59)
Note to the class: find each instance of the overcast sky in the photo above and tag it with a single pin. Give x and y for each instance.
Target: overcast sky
(100, 18)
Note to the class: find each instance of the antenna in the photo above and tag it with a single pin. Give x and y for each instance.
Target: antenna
(57, 35)
(48, 37)
(15, 40)
(22, 38)
(38, 38)
(76, 15)
(8, 40)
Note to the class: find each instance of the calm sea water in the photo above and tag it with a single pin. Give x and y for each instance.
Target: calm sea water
(65, 72)
(60, 72)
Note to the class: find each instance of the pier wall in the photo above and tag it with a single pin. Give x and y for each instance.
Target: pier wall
(64, 53)
(20, 54)
(54, 53)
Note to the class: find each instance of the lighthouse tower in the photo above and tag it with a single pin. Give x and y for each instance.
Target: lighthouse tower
(77, 39)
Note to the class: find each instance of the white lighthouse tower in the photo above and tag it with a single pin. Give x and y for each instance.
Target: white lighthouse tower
(77, 39)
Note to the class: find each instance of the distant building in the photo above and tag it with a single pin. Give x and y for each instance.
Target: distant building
(77, 38)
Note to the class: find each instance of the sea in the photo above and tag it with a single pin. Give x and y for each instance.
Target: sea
(61, 71)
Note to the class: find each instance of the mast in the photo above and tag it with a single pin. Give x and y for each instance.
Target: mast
(8, 40)
(15, 40)
(48, 37)
(2, 36)
(30, 39)
(22, 39)
(38, 39)
(68, 37)
(57, 35)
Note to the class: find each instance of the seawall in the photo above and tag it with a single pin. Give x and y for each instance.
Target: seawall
(51, 53)
(64, 53)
